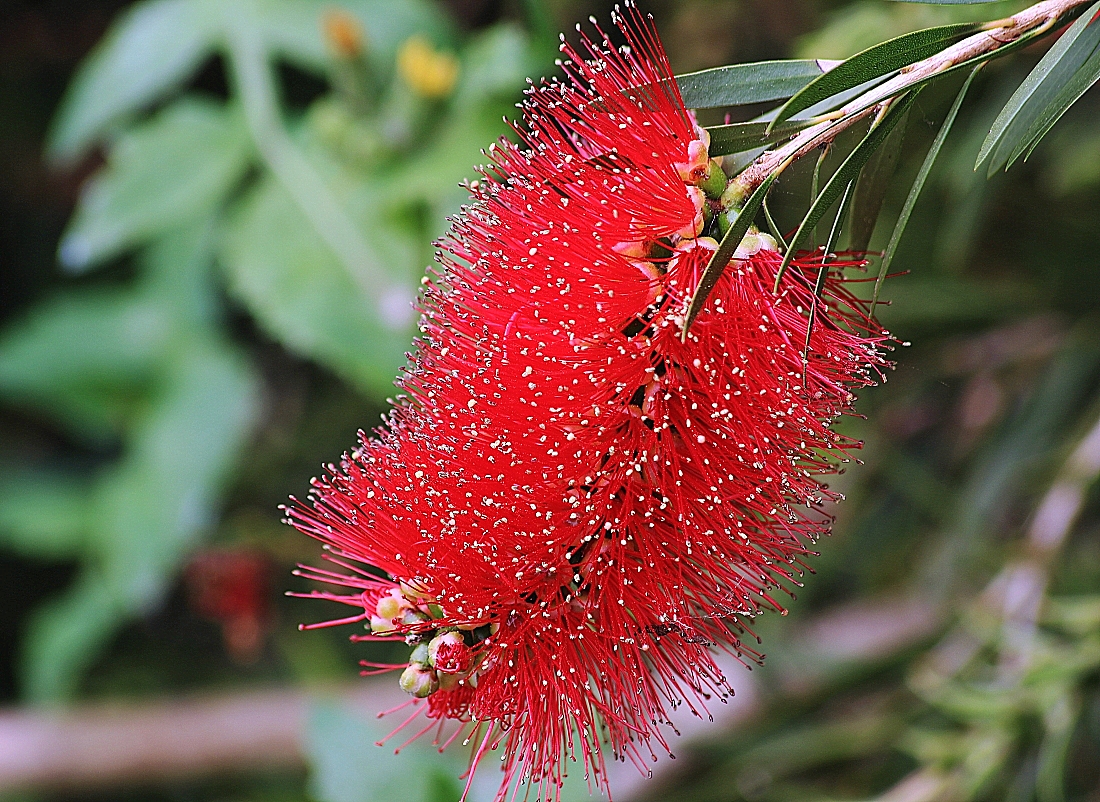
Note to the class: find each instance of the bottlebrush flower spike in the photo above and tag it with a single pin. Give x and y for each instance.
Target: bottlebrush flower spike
(570, 505)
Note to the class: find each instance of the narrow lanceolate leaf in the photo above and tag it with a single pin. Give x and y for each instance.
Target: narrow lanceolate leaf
(847, 172)
(1063, 74)
(738, 137)
(918, 184)
(870, 189)
(742, 84)
(726, 249)
(874, 62)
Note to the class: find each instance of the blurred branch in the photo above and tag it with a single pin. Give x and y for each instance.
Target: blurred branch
(111, 746)
(1016, 595)
(1022, 585)
(115, 745)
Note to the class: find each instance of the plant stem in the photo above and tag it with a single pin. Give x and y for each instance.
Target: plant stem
(994, 37)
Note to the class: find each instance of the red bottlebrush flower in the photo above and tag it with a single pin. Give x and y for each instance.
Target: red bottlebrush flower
(572, 503)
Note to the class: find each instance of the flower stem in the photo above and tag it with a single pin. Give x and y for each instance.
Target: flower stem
(994, 38)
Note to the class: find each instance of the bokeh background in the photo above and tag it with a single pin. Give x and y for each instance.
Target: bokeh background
(212, 217)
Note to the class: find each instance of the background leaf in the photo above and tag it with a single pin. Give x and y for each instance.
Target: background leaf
(162, 495)
(149, 52)
(43, 514)
(146, 514)
(83, 357)
(163, 173)
(64, 636)
(300, 293)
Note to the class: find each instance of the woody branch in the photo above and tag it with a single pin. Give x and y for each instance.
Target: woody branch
(995, 36)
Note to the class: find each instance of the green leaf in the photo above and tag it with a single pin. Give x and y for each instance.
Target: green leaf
(847, 172)
(743, 84)
(287, 277)
(738, 137)
(154, 504)
(348, 765)
(871, 187)
(43, 515)
(98, 335)
(64, 637)
(726, 249)
(165, 172)
(147, 53)
(874, 62)
(84, 357)
(948, 2)
(1062, 75)
(918, 185)
(494, 64)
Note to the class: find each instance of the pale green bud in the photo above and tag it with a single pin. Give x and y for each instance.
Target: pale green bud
(715, 183)
(419, 681)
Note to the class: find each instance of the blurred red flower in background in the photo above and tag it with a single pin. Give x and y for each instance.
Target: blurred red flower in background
(233, 587)
(572, 503)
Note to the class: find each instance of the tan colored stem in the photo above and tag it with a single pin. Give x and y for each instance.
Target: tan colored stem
(993, 37)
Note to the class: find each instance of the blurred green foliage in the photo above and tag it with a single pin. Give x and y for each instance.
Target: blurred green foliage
(316, 221)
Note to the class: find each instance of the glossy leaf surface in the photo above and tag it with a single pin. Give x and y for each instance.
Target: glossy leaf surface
(744, 84)
(1064, 73)
(874, 62)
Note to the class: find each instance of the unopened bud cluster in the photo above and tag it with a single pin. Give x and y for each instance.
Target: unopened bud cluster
(718, 200)
(442, 658)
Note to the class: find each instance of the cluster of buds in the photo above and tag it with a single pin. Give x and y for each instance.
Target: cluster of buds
(442, 657)
(718, 200)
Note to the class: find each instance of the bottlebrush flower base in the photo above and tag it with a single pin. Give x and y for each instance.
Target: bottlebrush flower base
(572, 504)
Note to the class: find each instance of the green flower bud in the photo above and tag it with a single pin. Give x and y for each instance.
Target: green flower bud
(749, 245)
(726, 220)
(389, 607)
(381, 626)
(420, 656)
(715, 183)
(419, 681)
(733, 197)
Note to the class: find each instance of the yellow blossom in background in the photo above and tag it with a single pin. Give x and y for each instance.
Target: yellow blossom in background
(429, 72)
